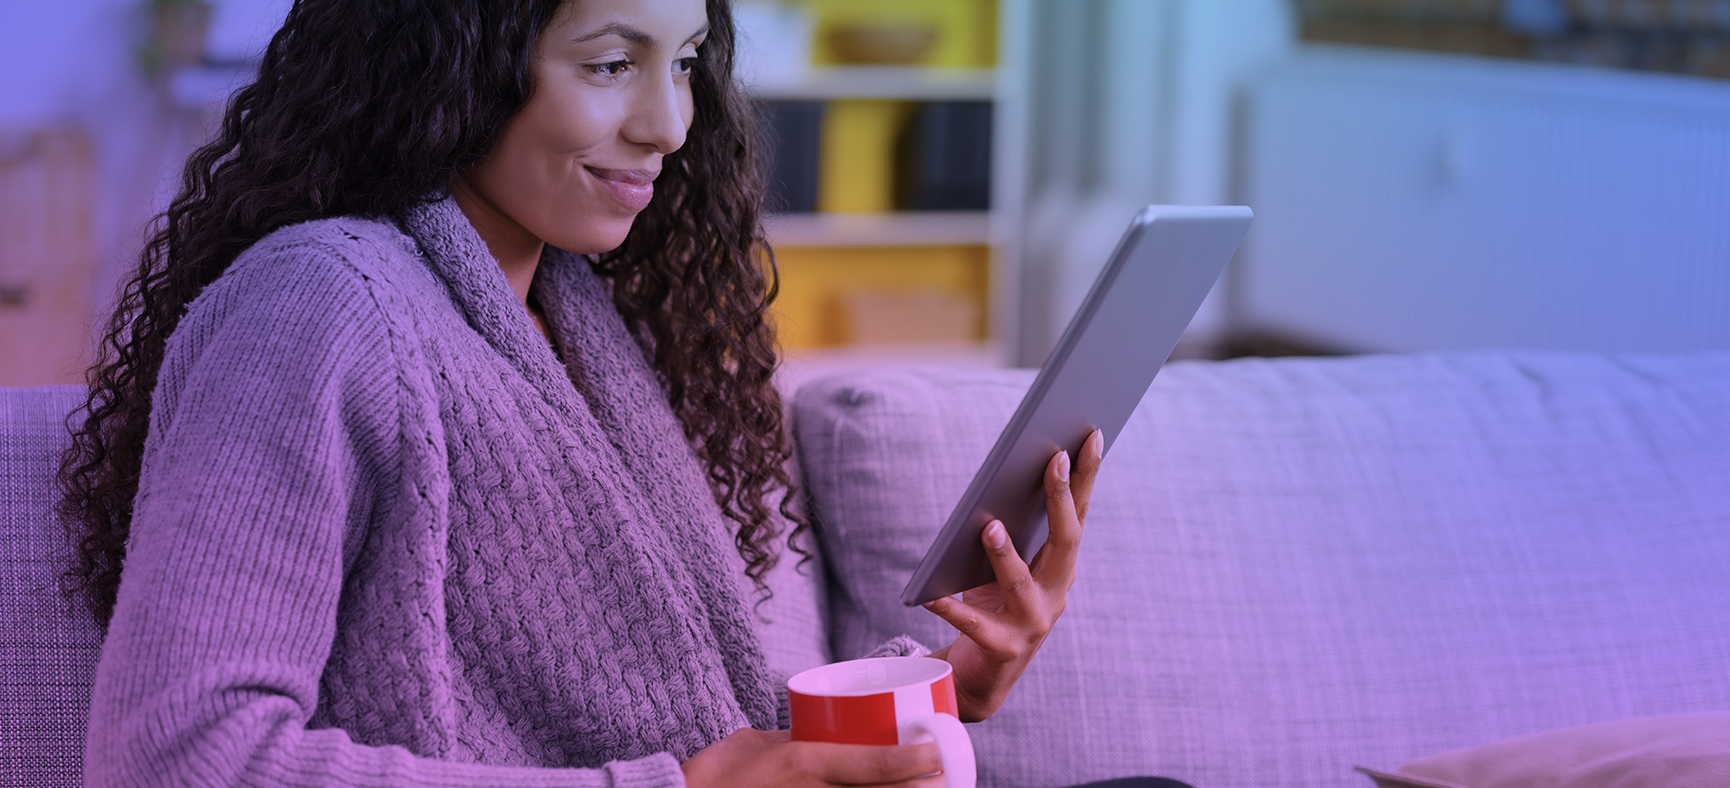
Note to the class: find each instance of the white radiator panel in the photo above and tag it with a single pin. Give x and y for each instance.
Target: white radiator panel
(1411, 202)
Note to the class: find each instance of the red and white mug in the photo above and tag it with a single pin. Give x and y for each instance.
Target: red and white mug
(885, 700)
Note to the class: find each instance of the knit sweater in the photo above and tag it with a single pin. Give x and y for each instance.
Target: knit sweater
(384, 536)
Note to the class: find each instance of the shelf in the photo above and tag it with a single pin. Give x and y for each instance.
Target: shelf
(935, 228)
(907, 83)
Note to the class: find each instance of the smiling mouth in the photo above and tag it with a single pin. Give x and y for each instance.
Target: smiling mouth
(631, 177)
(633, 189)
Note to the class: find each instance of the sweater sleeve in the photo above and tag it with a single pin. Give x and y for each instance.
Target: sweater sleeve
(279, 391)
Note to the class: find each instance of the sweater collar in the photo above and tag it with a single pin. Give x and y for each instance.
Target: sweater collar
(478, 287)
(623, 405)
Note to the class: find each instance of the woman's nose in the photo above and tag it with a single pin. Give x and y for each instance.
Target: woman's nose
(659, 115)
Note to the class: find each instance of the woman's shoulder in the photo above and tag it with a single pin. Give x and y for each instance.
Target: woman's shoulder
(357, 266)
(332, 287)
(353, 247)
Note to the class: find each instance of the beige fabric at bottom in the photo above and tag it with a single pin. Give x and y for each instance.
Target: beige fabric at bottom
(1679, 751)
(1392, 780)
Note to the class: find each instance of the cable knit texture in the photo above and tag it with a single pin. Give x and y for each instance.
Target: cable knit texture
(385, 536)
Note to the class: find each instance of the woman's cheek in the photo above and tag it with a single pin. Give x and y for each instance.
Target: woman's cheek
(589, 120)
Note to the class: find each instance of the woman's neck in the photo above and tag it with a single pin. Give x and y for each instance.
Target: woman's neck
(517, 250)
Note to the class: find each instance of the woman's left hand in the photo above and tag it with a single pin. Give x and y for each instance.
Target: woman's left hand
(1002, 623)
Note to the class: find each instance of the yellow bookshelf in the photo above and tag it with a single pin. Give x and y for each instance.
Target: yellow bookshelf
(832, 295)
(856, 170)
(857, 271)
(967, 29)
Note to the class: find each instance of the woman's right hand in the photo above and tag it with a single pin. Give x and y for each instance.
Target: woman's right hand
(772, 758)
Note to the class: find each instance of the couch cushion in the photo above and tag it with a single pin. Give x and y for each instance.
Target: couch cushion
(1681, 751)
(48, 645)
(1294, 566)
(792, 623)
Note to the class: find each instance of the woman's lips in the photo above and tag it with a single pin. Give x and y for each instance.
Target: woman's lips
(632, 188)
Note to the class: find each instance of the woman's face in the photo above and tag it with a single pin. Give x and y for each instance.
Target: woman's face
(612, 97)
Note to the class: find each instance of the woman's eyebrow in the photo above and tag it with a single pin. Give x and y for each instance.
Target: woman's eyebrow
(632, 34)
(621, 30)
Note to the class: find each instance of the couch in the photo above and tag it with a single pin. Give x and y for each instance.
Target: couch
(1291, 566)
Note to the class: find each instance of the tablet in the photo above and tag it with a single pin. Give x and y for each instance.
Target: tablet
(1164, 266)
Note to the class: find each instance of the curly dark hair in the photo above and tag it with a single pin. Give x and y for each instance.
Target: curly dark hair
(367, 108)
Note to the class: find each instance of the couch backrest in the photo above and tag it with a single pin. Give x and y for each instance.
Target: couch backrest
(1294, 566)
(48, 645)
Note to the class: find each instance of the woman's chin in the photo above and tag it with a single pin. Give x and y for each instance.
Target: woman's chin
(596, 237)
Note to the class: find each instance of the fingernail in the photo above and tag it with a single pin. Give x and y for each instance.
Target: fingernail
(1098, 441)
(995, 535)
(1063, 466)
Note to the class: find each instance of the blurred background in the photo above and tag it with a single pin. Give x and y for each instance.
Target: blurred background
(949, 175)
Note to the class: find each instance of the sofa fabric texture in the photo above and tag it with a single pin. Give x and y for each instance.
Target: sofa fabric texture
(48, 645)
(1295, 566)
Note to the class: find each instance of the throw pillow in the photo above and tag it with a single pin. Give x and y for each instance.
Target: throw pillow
(1687, 750)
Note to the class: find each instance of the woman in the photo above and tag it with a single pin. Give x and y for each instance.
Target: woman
(437, 411)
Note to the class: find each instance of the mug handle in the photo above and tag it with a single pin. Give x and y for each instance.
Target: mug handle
(953, 745)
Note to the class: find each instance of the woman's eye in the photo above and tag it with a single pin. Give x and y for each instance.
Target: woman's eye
(612, 69)
(686, 65)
